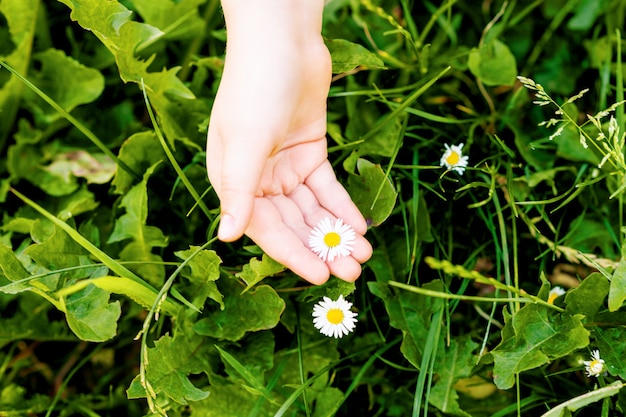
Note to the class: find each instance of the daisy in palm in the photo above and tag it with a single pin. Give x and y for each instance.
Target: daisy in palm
(453, 158)
(334, 318)
(331, 240)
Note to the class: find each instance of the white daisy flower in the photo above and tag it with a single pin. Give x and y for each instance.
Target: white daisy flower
(555, 293)
(595, 366)
(330, 241)
(453, 158)
(334, 318)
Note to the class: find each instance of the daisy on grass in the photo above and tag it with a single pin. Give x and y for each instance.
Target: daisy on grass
(595, 366)
(334, 318)
(453, 158)
(555, 293)
(330, 241)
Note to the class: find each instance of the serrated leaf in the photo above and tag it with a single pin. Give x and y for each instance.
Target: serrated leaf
(493, 63)
(132, 225)
(412, 314)
(177, 19)
(90, 315)
(372, 192)
(21, 19)
(68, 82)
(170, 362)
(204, 270)
(451, 364)
(257, 270)
(257, 309)
(533, 337)
(347, 56)
(140, 151)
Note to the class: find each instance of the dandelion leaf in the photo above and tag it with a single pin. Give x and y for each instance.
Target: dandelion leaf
(257, 270)
(163, 13)
(15, 49)
(493, 63)
(204, 270)
(90, 315)
(412, 314)
(143, 238)
(372, 192)
(139, 152)
(588, 297)
(170, 362)
(347, 56)
(68, 82)
(230, 400)
(327, 402)
(452, 363)
(533, 337)
(617, 290)
(249, 363)
(254, 310)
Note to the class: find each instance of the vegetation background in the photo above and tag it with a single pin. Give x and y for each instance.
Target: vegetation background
(116, 299)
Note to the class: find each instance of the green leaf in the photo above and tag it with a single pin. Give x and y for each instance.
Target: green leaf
(347, 56)
(257, 309)
(176, 19)
(451, 364)
(588, 297)
(58, 251)
(493, 63)
(533, 337)
(90, 315)
(617, 290)
(256, 356)
(204, 270)
(21, 19)
(170, 362)
(372, 192)
(65, 80)
(412, 314)
(132, 225)
(140, 151)
(565, 409)
(255, 271)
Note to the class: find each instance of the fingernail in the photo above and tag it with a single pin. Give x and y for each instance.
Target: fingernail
(227, 227)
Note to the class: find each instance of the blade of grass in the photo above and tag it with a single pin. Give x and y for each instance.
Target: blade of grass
(172, 159)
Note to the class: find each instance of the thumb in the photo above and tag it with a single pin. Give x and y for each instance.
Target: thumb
(238, 185)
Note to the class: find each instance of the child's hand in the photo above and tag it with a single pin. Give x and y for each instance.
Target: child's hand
(266, 148)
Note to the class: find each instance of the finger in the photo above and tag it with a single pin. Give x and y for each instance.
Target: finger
(333, 197)
(268, 230)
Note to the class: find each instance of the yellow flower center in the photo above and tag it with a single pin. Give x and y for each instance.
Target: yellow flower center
(332, 239)
(335, 316)
(551, 297)
(596, 366)
(453, 158)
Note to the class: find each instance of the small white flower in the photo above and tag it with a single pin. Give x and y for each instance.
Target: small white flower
(453, 158)
(555, 293)
(595, 366)
(334, 318)
(330, 241)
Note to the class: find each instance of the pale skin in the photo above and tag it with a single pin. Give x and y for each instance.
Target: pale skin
(266, 144)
